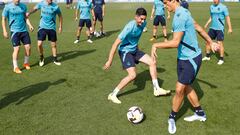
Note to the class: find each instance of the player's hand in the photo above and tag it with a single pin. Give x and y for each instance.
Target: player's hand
(230, 31)
(107, 65)
(103, 14)
(215, 47)
(5, 34)
(60, 30)
(151, 18)
(94, 18)
(205, 26)
(31, 28)
(27, 14)
(76, 18)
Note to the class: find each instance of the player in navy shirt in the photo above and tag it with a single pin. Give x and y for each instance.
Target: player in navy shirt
(15, 13)
(219, 13)
(99, 11)
(188, 61)
(130, 55)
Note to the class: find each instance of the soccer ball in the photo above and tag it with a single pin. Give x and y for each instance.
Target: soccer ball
(135, 114)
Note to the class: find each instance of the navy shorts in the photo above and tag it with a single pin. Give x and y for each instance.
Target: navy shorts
(130, 59)
(216, 34)
(98, 16)
(159, 19)
(69, 1)
(83, 21)
(18, 37)
(43, 33)
(187, 69)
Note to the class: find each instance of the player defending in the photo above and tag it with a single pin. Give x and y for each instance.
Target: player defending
(99, 11)
(188, 62)
(218, 13)
(85, 7)
(130, 55)
(47, 27)
(15, 13)
(158, 9)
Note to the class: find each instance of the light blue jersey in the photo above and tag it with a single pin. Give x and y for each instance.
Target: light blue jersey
(218, 14)
(85, 7)
(159, 7)
(15, 15)
(48, 14)
(130, 36)
(183, 22)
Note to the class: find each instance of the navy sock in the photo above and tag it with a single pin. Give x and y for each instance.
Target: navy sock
(199, 111)
(207, 54)
(154, 36)
(173, 115)
(221, 58)
(78, 37)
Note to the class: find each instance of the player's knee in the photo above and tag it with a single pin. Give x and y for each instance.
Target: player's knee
(132, 76)
(179, 92)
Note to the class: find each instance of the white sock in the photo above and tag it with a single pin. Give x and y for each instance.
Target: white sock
(26, 59)
(15, 64)
(155, 83)
(115, 91)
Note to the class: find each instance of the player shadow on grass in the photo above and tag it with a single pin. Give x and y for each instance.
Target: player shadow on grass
(186, 104)
(141, 80)
(27, 92)
(65, 56)
(169, 34)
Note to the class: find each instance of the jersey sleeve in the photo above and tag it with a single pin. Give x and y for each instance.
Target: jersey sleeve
(5, 12)
(58, 11)
(126, 30)
(225, 11)
(38, 6)
(179, 23)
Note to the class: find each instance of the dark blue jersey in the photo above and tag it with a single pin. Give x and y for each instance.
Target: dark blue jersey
(97, 5)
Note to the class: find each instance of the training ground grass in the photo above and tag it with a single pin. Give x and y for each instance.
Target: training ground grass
(72, 98)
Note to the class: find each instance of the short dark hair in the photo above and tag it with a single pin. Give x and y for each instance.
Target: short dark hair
(141, 11)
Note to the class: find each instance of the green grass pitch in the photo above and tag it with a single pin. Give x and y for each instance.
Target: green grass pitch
(72, 98)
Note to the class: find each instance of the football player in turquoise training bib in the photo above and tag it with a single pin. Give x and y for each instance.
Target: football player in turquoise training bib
(219, 12)
(47, 27)
(158, 13)
(130, 55)
(15, 13)
(188, 60)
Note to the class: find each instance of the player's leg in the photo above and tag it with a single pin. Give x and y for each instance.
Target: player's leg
(42, 33)
(164, 28)
(15, 38)
(94, 24)
(220, 38)
(27, 46)
(199, 112)
(88, 25)
(131, 76)
(155, 26)
(146, 59)
(52, 36)
(100, 19)
(128, 63)
(79, 29)
(212, 35)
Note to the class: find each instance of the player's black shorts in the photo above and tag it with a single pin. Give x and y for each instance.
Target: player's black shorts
(17, 37)
(159, 19)
(130, 59)
(216, 34)
(98, 16)
(43, 33)
(83, 21)
(187, 69)
(69, 1)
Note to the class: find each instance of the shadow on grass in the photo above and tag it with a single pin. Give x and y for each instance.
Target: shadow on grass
(27, 92)
(169, 34)
(141, 80)
(186, 104)
(65, 56)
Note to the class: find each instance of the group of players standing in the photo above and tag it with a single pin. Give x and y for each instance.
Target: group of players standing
(17, 16)
(184, 38)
